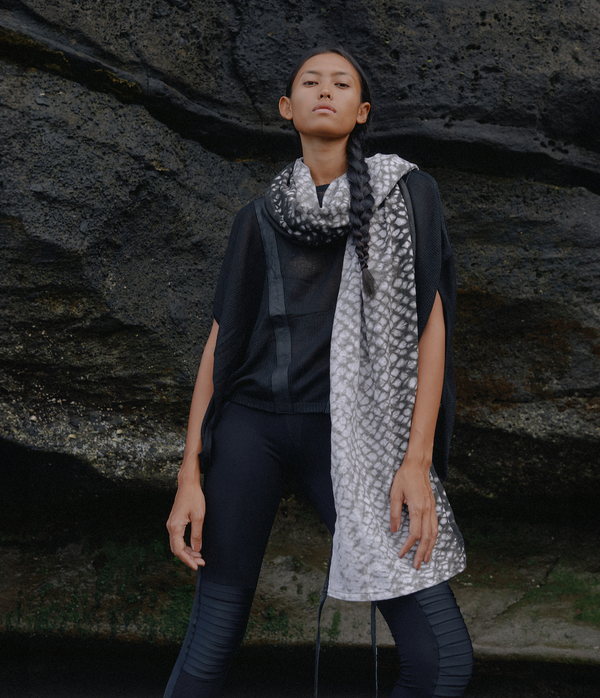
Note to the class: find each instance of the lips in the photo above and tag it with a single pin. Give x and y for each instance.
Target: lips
(324, 107)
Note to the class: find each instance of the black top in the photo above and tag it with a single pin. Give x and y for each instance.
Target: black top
(310, 279)
(240, 299)
(321, 189)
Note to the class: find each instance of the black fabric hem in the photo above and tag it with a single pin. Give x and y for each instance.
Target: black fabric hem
(296, 408)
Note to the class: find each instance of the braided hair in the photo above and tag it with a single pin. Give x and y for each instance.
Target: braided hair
(361, 197)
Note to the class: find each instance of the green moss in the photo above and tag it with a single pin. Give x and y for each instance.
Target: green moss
(580, 590)
(175, 617)
(136, 589)
(276, 621)
(560, 583)
(333, 632)
(313, 598)
(299, 564)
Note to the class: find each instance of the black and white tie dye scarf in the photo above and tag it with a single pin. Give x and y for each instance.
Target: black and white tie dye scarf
(373, 372)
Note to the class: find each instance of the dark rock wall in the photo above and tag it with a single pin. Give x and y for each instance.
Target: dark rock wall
(113, 229)
(132, 132)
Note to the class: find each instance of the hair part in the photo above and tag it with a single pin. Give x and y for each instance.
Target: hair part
(361, 193)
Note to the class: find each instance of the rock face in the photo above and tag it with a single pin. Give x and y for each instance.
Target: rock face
(113, 232)
(133, 132)
(528, 341)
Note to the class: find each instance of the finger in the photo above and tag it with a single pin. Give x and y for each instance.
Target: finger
(415, 515)
(196, 535)
(414, 532)
(184, 552)
(409, 543)
(430, 525)
(428, 538)
(395, 514)
(191, 558)
(422, 548)
(191, 562)
(176, 531)
(434, 534)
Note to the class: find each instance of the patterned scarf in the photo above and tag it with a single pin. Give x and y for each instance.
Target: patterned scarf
(373, 374)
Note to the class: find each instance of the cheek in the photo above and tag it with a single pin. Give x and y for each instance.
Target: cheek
(351, 116)
(299, 109)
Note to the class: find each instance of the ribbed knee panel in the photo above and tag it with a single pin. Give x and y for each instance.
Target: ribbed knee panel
(216, 630)
(219, 630)
(433, 643)
(454, 644)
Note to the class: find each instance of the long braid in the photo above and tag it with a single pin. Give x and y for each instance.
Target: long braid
(361, 206)
(361, 199)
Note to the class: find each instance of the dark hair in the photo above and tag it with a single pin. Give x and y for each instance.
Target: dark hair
(361, 198)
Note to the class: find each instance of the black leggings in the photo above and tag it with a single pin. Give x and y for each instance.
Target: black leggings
(251, 452)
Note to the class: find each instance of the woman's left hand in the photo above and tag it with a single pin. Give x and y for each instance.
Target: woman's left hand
(411, 486)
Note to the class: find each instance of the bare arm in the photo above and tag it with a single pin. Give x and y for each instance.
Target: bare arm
(411, 484)
(189, 506)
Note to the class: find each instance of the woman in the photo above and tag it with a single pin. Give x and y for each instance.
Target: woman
(329, 354)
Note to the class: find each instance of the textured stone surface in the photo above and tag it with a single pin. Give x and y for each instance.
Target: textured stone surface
(132, 132)
(113, 229)
(528, 336)
(518, 79)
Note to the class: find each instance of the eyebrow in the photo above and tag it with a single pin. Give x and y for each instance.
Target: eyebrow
(316, 72)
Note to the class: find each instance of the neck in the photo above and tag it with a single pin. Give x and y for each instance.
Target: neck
(325, 158)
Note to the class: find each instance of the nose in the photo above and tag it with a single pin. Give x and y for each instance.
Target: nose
(325, 93)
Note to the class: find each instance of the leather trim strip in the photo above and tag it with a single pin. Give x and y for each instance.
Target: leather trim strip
(283, 338)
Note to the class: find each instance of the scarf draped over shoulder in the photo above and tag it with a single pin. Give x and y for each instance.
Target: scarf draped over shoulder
(373, 374)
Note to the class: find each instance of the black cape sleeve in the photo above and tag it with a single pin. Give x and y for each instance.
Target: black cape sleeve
(434, 271)
(235, 308)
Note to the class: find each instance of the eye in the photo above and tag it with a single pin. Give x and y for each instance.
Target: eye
(342, 84)
(309, 83)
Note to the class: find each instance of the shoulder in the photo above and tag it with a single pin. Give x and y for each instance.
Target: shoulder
(244, 238)
(422, 184)
(245, 228)
(246, 216)
(425, 199)
(430, 224)
(421, 177)
(243, 265)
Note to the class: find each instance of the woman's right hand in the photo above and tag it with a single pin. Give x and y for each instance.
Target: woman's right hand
(188, 508)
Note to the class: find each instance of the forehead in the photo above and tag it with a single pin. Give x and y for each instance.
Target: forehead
(328, 64)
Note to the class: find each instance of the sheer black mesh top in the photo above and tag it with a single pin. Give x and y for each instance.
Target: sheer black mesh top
(311, 279)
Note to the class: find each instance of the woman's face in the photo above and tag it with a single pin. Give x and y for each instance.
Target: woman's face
(326, 98)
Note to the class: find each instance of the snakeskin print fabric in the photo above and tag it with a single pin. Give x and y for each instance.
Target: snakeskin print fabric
(373, 372)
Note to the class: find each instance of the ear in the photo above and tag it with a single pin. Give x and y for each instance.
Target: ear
(285, 108)
(363, 113)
